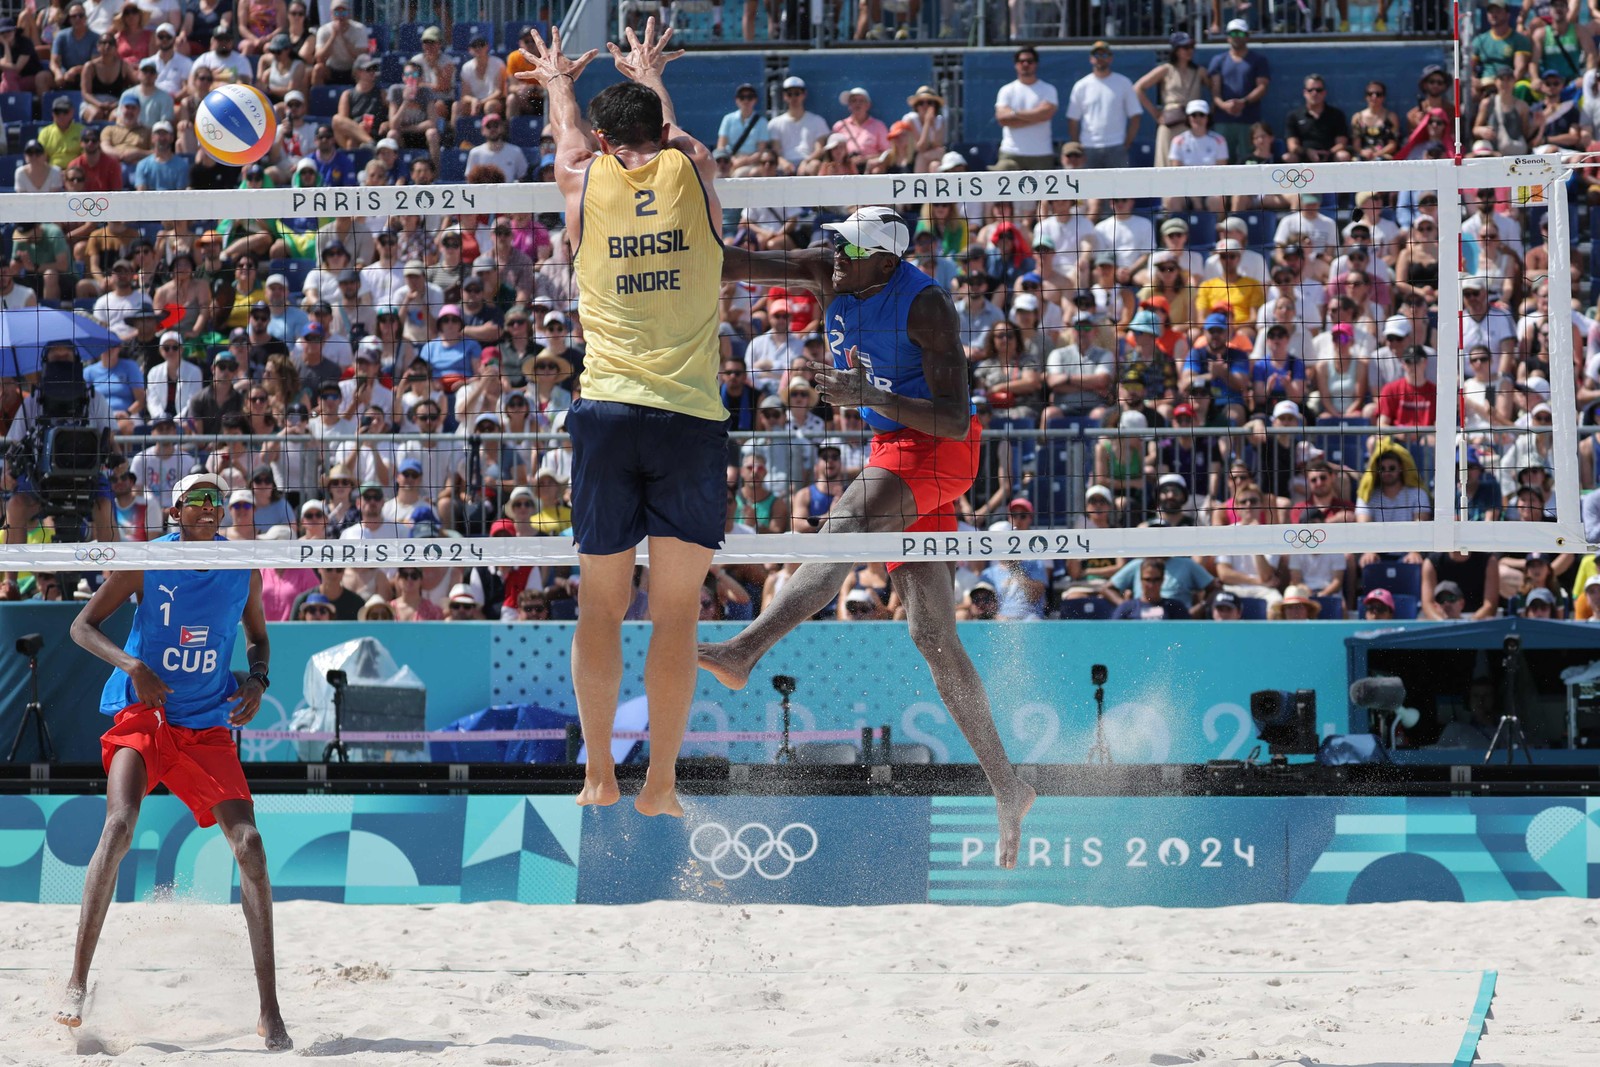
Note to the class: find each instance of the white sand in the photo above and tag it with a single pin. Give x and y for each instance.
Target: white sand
(667, 984)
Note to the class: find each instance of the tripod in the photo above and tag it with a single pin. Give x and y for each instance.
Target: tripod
(1510, 723)
(29, 645)
(335, 750)
(785, 685)
(1100, 751)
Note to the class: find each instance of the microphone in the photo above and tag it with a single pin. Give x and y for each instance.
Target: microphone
(1379, 694)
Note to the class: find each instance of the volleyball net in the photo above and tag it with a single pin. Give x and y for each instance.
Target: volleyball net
(1185, 361)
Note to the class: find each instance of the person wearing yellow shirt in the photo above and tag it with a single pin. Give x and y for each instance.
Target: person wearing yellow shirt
(649, 433)
(62, 139)
(1241, 293)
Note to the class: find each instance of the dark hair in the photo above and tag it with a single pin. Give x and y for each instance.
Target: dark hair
(629, 114)
(1025, 50)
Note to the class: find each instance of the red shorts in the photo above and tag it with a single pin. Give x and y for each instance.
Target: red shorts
(200, 767)
(938, 470)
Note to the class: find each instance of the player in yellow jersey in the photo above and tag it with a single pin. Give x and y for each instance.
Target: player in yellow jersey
(649, 436)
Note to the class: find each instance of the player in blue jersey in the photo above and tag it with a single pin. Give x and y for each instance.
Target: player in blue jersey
(897, 356)
(174, 699)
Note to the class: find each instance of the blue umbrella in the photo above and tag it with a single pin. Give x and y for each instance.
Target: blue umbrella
(24, 332)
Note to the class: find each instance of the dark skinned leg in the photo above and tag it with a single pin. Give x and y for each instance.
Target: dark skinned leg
(237, 819)
(876, 502)
(125, 788)
(928, 592)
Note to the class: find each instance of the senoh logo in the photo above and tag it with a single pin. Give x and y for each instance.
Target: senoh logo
(1292, 177)
(1305, 536)
(753, 847)
(1094, 852)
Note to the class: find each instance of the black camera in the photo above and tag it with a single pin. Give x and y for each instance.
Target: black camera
(1098, 674)
(1512, 643)
(784, 684)
(62, 453)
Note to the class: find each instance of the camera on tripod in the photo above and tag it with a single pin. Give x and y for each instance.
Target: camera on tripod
(62, 453)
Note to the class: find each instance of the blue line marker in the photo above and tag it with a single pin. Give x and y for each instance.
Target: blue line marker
(1480, 1013)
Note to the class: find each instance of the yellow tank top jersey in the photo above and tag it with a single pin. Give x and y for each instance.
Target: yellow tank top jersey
(649, 270)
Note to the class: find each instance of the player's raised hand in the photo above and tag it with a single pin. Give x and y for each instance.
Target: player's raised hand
(246, 701)
(148, 686)
(644, 59)
(544, 63)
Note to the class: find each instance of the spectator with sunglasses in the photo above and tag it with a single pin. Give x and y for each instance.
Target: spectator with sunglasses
(330, 595)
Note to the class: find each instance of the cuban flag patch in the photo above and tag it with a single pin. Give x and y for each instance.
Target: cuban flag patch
(193, 636)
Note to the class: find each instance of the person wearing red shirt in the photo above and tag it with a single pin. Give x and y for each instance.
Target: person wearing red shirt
(102, 174)
(803, 308)
(1409, 400)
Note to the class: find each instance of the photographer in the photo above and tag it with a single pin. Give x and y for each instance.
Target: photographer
(61, 399)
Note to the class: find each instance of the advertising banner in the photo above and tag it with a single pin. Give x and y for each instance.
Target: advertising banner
(759, 850)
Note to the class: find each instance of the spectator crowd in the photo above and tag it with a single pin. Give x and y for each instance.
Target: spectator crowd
(1214, 360)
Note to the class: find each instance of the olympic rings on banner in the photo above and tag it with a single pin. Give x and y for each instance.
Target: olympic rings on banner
(1306, 535)
(95, 554)
(88, 206)
(720, 844)
(1293, 177)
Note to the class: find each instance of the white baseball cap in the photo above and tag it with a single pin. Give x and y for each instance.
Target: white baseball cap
(461, 592)
(1286, 407)
(1238, 26)
(277, 279)
(1197, 107)
(171, 337)
(1594, 580)
(1397, 326)
(195, 481)
(951, 160)
(877, 228)
(844, 97)
(792, 82)
(1099, 491)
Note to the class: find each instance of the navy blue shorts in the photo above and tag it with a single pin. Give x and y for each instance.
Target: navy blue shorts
(642, 472)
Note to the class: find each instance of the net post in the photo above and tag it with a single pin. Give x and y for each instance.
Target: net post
(1563, 394)
(1447, 411)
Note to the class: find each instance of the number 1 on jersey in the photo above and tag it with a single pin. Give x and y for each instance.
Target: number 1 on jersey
(646, 199)
(166, 613)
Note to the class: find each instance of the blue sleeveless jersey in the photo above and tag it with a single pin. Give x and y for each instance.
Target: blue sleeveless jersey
(184, 629)
(877, 325)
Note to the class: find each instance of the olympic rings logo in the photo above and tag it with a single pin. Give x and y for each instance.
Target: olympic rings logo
(88, 206)
(211, 129)
(1293, 177)
(94, 554)
(1307, 536)
(719, 845)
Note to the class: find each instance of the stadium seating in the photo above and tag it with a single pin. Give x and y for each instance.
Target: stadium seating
(462, 33)
(1401, 579)
(323, 100)
(1252, 608)
(1332, 607)
(1091, 607)
(16, 107)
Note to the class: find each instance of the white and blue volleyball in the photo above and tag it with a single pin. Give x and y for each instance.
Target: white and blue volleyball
(235, 124)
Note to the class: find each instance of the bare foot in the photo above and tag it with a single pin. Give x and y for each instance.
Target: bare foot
(271, 1027)
(1011, 811)
(723, 665)
(72, 1013)
(662, 800)
(601, 793)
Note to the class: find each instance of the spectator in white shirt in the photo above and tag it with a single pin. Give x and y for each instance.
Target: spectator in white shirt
(1197, 146)
(172, 383)
(1128, 236)
(495, 152)
(797, 131)
(1103, 113)
(1310, 221)
(1024, 108)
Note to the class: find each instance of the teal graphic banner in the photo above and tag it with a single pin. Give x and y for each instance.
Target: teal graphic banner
(354, 850)
(1216, 851)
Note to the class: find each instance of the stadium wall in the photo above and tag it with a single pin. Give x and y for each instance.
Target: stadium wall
(1179, 692)
(1161, 851)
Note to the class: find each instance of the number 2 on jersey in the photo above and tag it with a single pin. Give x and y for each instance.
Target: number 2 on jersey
(646, 199)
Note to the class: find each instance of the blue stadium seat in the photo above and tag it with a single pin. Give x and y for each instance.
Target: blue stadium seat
(1263, 225)
(411, 155)
(83, 303)
(391, 68)
(16, 107)
(408, 39)
(1348, 449)
(8, 170)
(1332, 607)
(380, 36)
(524, 131)
(1142, 154)
(453, 165)
(1089, 607)
(296, 273)
(980, 155)
(275, 266)
(324, 100)
(514, 30)
(1252, 608)
(564, 608)
(1397, 577)
(463, 32)
(466, 129)
(1405, 606)
(1202, 230)
(362, 157)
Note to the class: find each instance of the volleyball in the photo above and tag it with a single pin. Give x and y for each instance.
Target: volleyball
(235, 124)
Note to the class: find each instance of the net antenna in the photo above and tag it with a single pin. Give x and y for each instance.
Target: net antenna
(1058, 483)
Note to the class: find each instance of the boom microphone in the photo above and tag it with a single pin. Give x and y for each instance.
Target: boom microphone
(1379, 694)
